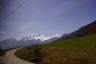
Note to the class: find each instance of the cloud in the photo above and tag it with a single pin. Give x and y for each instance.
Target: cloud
(26, 26)
(67, 6)
(4, 35)
(31, 16)
(46, 10)
(4, 32)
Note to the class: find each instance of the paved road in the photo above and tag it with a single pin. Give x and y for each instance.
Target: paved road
(10, 58)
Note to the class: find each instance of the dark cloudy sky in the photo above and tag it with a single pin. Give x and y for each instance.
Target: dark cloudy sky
(19, 18)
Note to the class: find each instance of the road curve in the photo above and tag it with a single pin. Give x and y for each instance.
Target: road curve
(10, 58)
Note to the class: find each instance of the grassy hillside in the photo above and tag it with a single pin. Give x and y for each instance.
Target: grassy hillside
(82, 42)
(73, 51)
(82, 31)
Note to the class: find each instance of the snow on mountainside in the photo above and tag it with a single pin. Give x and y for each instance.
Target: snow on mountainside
(27, 41)
(41, 37)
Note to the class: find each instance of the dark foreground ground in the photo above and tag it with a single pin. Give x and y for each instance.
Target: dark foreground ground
(73, 51)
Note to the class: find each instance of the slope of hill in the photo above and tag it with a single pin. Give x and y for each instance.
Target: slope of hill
(74, 42)
(85, 30)
(73, 51)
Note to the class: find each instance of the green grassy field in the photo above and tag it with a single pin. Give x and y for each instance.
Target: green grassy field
(87, 42)
(73, 51)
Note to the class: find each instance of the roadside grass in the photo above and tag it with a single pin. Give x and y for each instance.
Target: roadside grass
(73, 51)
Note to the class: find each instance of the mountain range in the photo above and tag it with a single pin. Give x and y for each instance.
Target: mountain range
(30, 40)
(40, 38)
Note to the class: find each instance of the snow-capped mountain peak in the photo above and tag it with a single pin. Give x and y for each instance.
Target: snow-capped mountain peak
(27, 41)
(42, 37)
